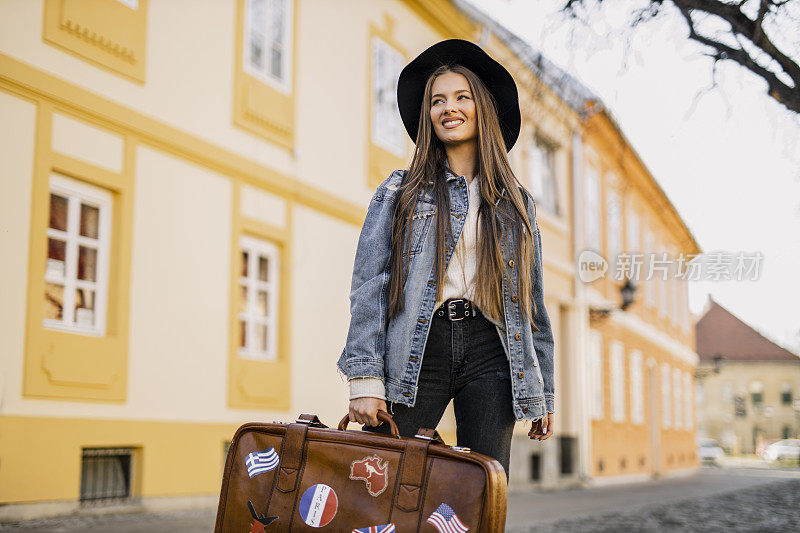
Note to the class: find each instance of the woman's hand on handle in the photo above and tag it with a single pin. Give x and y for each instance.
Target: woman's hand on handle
(365, 410)
(543, 428)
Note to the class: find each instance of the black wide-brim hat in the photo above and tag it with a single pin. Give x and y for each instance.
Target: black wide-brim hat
(411, 84)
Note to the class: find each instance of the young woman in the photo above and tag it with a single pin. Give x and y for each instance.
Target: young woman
(452, 307)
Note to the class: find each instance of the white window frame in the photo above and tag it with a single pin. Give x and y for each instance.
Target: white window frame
(77, 193)
(387, 126)
(677, 396)
(596, 373)
(683, 288)
(666, 402)
(613, 226)
(283, 84)
(649, 284)
(687, 398)
(591, 198)
(632, 232)
(617, 377)
(542, 173)
(133, 4)
(255, 248)
(674, 284)
(663, 282)
(637, 387)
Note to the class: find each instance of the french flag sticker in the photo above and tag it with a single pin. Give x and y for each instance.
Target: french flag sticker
(318, 505)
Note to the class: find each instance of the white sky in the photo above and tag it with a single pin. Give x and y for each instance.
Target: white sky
(728, 159)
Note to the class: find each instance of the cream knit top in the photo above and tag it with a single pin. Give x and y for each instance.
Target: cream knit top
(458, 283)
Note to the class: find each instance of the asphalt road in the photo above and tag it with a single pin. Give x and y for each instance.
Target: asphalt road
(729, 499)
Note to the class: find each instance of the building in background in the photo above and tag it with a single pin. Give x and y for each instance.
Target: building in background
(180, 205)
(639, 354)
(747, 386)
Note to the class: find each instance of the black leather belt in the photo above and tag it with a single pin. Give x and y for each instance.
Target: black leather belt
(456, 309)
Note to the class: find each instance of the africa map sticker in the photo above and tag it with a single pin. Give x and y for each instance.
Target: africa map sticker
(374, 471)
(318, 505)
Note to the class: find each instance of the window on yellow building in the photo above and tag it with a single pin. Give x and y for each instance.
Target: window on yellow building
(542, 170)
(756, 389)
(786, 393)
(387, 126)
(613, 227)
(617, 381)
(637, 389)
(666, 385)
(649, 284)
(258, 299)
(632, 232)
(76, 273)
(596, 373)
(687, 398)
(268, 42)
(591, 200)
(677, 383)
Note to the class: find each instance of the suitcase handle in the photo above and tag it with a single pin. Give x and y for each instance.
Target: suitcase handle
(382, 415)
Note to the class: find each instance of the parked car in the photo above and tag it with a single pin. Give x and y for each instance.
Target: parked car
(763, 446)
(788, 449)
(709, 451)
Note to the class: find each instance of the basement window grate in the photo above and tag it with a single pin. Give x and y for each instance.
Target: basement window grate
(106, 475)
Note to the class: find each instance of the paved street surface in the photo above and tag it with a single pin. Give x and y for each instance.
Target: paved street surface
(714, 499)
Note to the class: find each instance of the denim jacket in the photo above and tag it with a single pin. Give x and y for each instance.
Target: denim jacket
(392, 350)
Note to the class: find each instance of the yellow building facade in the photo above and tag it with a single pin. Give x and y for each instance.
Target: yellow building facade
(180, 205)
(640, 361)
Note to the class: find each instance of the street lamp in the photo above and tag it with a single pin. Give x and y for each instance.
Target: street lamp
(628, 290)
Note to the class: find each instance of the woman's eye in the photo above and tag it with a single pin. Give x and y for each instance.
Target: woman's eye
(464, 95)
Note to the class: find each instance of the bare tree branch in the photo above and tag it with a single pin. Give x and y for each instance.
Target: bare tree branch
(788, 94)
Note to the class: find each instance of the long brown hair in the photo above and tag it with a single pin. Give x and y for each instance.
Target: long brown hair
(501, 198)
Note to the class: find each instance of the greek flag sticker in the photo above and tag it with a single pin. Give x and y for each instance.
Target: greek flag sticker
(260, 462)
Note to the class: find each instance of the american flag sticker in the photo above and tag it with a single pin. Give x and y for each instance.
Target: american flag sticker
(318, 505)
(386, 528)
(444, 519)
(260, 462)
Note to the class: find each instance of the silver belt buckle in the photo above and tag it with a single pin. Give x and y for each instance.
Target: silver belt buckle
(451, 306)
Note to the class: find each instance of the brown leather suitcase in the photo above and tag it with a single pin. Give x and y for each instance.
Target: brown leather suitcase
(304, 476)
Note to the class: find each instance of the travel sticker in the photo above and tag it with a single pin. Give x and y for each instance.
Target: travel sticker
(444, 519)
(260, 462)
(260, 521)
(374, 470)
(318, 505)
(386, 528)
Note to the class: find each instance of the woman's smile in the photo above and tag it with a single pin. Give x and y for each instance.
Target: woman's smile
(452, 123)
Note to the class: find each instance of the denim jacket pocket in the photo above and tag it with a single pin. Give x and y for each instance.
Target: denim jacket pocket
(423, 218)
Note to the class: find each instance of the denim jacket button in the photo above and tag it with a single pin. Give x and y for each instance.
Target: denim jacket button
(407, 394)
(521, 375)
(517, 336)
(525, 409)
(511, 263)
(513, 297)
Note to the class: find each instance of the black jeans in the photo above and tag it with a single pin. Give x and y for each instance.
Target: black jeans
(464, 360)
